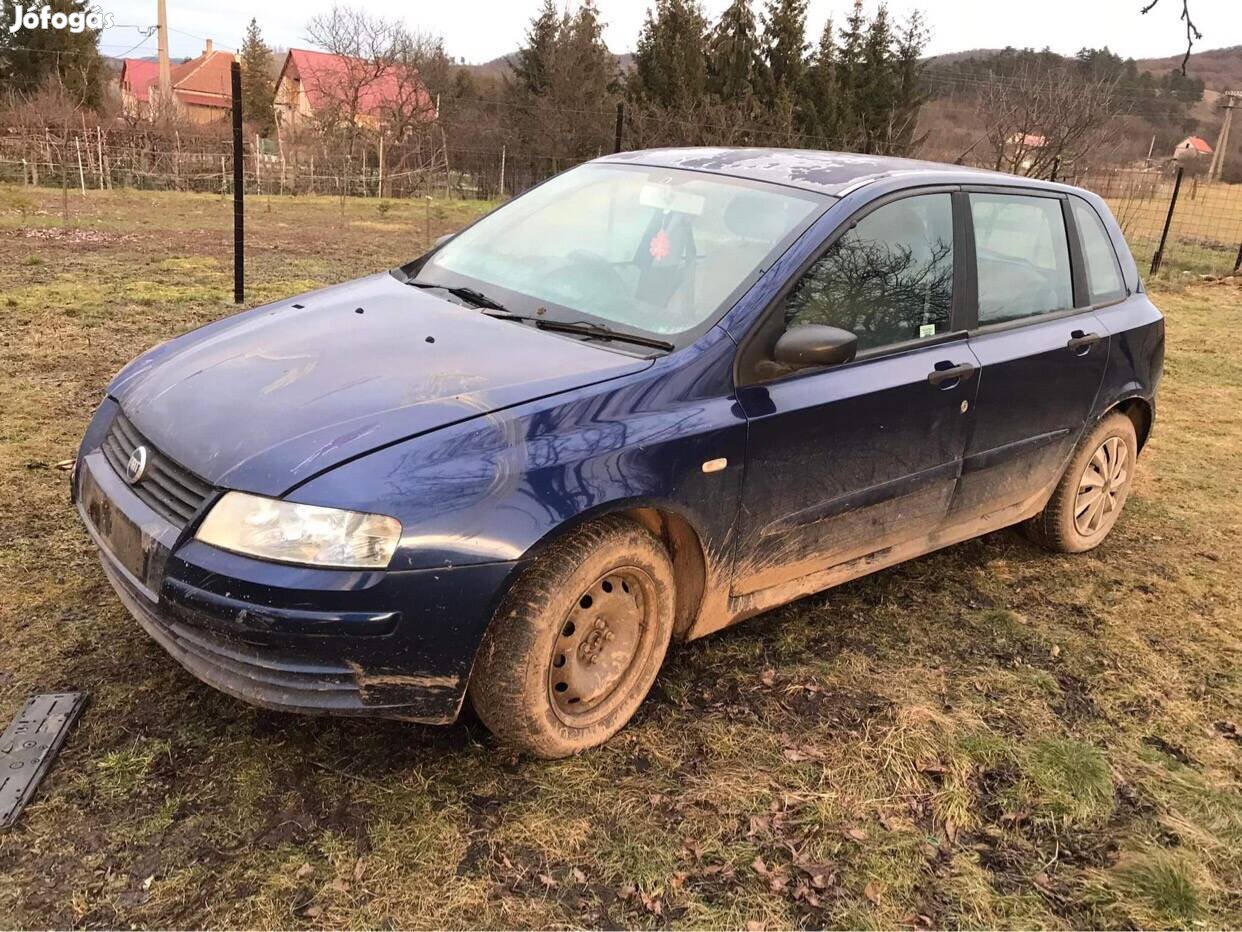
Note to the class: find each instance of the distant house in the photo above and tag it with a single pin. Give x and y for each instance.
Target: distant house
(1022, 148)
(324, 89)
(1192, 147)
(1028, 141)
(201, 89)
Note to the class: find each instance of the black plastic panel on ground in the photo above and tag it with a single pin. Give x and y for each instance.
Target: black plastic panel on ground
(30, 745)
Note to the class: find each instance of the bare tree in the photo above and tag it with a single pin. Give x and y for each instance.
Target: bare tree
(373, 92)
(1192, 31)
(1045, 114)
(366, 48)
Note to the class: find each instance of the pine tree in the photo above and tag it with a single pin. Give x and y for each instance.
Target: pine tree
(33, 58)
(733, 54)
(562, 86)
(784, 50)
(670, 67)
(875, 91)
(533, 68)
(586, 79)
(823, 93)
(850, 77)
(258, 89)
(910, 92)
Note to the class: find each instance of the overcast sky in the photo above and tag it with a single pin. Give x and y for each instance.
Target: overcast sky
(479, 30)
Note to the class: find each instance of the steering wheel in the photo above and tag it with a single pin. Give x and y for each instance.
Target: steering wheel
(589, 273)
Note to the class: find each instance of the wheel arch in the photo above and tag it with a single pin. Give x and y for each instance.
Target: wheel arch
(1140, 412)
(673, 528)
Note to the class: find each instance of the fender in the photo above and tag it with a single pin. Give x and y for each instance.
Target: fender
(497, 488)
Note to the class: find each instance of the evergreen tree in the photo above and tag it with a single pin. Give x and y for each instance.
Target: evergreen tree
(910, 93)
(33, 58)
(258, 88)
(561, 91)
(823, 94)
(874, 90)
(733, 54)
(784, 50)
(535, 62)
(850, 76)
(670, 64)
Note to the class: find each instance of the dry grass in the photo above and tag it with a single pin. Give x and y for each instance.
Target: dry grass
(989, 736)
(1204, 236)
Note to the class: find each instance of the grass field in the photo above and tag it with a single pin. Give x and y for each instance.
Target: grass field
(1205, 234)
(988, 736)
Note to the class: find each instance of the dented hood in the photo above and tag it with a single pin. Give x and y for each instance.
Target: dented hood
(264, 400)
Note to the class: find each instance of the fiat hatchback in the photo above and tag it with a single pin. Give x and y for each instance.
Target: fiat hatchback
(660, 393)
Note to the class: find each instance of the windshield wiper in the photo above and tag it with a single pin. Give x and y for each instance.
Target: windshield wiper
(477, 298)
(597, 331)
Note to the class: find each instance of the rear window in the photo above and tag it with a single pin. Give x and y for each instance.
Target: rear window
(1104, 279)
(1023, 256)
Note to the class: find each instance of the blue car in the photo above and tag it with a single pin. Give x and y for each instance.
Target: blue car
(660, 393)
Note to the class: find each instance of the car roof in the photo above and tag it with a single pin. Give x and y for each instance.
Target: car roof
(834, 173)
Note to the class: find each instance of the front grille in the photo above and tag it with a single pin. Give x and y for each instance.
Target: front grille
(170, 490)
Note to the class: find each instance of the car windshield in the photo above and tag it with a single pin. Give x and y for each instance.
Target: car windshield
(642, 249)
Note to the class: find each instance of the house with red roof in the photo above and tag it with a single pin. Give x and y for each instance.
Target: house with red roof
(322, 89)
(1192, 147)
(201, 89)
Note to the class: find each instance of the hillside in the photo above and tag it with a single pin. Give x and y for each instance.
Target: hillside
(501, 67)
(1220, 69)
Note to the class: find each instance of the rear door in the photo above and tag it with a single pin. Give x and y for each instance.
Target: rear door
(849, 460)
(1042, 350)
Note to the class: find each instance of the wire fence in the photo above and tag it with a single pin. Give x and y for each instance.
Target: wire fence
(1175, 220)
(421, 164)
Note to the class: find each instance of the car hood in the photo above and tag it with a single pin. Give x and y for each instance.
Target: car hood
(266, 399)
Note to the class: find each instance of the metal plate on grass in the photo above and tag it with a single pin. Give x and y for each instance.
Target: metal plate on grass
(29, 746)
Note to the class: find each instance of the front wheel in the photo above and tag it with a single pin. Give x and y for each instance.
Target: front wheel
(1088, 500)
(578, 641)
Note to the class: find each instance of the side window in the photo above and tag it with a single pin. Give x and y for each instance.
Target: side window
(1023, 256)
(887, 280)
(1103, 273)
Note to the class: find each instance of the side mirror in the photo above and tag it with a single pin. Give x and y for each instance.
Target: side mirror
(815, 345)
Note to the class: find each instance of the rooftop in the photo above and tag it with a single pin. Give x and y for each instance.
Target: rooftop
(203, 80)
(340, 81)
(822, 172)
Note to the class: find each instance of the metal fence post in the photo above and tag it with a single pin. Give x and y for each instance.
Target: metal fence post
(1168, 221)
(239, 185)
(616, 143)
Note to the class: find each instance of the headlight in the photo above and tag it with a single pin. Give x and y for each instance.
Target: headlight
(291, 533)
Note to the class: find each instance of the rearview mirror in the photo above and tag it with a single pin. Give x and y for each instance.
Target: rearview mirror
(815, 345)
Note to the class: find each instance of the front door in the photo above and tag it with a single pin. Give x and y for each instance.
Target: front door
(1042, 359)
(848, 461)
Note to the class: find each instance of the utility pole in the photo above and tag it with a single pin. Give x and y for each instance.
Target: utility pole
(1222, 138)
(165, 75)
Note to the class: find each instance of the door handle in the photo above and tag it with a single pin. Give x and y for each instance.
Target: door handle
(945, 371)
(1080, 343)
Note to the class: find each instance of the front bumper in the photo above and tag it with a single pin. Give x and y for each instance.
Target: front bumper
(298, 639)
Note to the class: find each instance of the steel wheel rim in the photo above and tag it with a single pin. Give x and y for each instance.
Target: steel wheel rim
(600, 644)
(1101, 489)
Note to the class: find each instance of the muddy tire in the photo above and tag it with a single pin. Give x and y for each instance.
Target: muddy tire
(1088, 500)
(578, 640)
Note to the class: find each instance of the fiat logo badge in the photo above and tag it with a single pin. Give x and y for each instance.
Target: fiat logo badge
(136, 468)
